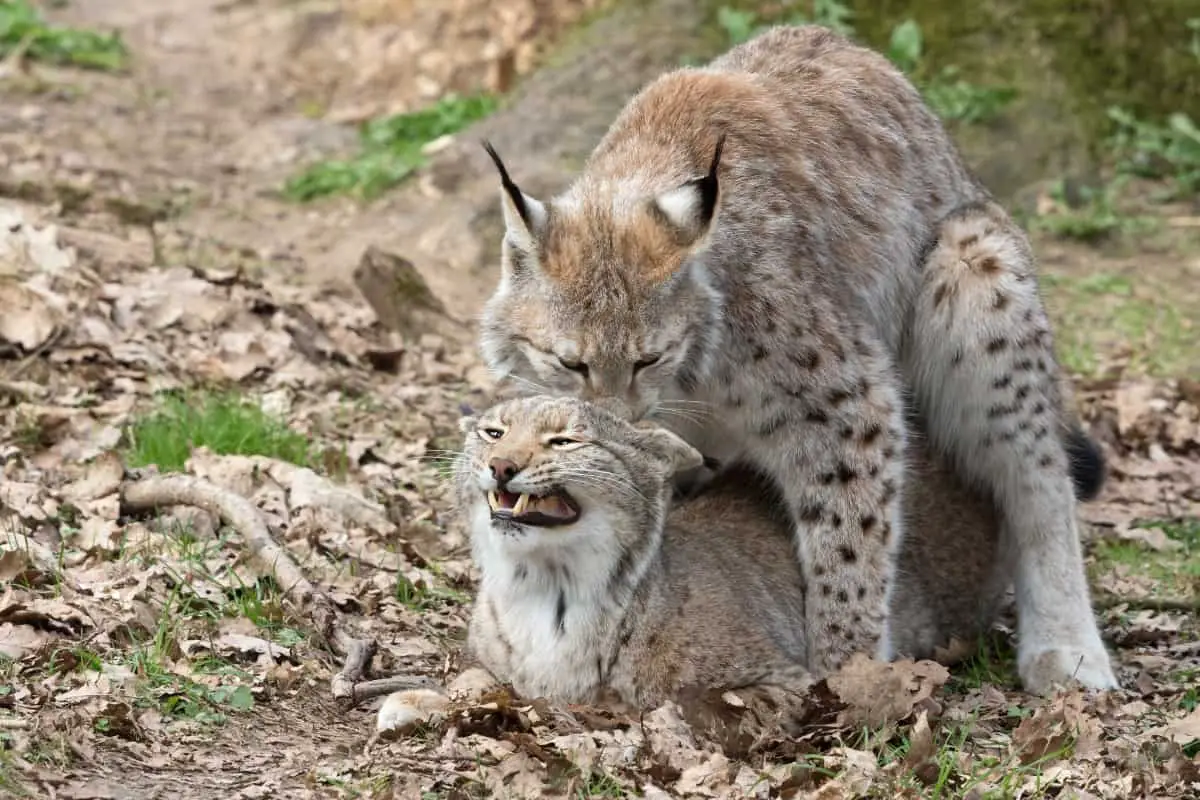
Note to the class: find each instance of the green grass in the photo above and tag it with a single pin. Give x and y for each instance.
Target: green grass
(1092, 218)
(949, 95)
(1173, 574)
(594, 783)
(994, 663)
(225, 423)
(10, 784)
(1169, 150)
(1110, 314)
(20, 24)
(390, 150)
(173, 694)
(419, 597)
(180, 697)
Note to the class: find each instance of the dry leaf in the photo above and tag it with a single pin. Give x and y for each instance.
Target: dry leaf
(921, 747)
(26, 249)
(1154, 538)
(17, 640)
(98, 534)
(858, 768)
(880, 692)
(1182, 731)
(102, 477)
(705, 778)
(1056, 726)
(236, 647)
(48, 613)
(27, 319)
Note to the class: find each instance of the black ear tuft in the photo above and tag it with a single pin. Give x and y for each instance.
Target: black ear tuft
(710, 188)
(514, 194)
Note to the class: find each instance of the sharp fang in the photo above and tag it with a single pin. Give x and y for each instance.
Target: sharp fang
(519, 508)
(493, 501)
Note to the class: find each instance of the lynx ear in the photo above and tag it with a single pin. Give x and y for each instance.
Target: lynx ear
(524, 217)
(689, 208)
(666, 446)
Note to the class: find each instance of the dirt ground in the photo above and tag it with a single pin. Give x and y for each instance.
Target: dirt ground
(146, 247)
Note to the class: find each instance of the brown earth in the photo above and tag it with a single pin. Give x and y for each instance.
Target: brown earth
(148, 249)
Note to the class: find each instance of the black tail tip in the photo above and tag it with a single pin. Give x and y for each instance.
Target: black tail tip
(1088, 467)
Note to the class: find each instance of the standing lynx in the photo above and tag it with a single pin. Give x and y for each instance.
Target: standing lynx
(773, 249)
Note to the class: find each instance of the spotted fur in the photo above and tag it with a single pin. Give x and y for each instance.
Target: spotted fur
(767, 253)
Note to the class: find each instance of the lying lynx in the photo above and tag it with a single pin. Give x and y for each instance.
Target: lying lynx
(766, 253)
(593, 584)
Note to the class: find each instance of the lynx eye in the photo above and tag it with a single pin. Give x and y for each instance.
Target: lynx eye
(492, 434)
(564, 442)
(647, 361)
(574, 366)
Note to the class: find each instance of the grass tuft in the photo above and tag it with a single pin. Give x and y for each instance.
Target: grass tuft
(1153, 150)
(1093, 218)
(226, 424)
(993, 664)
(1101, 316)
(22, 25)
(390, 150)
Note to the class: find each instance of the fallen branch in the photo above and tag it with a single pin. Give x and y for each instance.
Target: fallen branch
(377, 688)
(240, 514)
(358, 660)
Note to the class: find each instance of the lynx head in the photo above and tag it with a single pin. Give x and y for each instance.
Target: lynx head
(549, 470)
(604, 291)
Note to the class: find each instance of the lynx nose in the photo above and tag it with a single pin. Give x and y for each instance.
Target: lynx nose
(503, 470)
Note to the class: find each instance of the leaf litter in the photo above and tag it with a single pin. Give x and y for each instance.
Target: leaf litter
(150, 644)
(149, 654)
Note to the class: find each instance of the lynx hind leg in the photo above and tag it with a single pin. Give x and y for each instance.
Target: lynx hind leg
(951, 573)
(777, 698)
(982, 369)
(404, 710)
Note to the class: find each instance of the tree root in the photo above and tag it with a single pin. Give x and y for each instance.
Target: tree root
(240, 514)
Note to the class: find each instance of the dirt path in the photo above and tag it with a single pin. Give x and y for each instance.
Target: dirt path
(146, 248)
(218, 111)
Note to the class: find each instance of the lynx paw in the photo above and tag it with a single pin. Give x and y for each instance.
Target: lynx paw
(402, 711)
(471, 684)
(1044, 668)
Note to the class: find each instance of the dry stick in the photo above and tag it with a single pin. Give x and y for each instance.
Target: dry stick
(241, 515)
(1148, 603)
(368, 689)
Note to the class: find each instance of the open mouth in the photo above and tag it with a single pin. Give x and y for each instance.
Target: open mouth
(546, 510)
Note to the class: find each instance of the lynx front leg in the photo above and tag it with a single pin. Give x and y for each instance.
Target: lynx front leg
(981, 363)
(831, 435)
